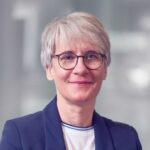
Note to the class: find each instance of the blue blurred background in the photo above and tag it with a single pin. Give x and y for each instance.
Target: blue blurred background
(125, 95)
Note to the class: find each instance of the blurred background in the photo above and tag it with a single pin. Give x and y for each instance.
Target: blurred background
(125, 95)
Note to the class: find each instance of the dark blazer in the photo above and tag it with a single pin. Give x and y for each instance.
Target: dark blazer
(42, 131)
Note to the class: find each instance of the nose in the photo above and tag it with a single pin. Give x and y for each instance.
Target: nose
(80, 67)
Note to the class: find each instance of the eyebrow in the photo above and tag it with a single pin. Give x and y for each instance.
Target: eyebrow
(92, 51)
(66, 52)
(72, 52)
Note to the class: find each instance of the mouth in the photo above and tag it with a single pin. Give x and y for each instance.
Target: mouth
(81, 82)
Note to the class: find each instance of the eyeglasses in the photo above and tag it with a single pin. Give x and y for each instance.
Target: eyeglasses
(92, 60)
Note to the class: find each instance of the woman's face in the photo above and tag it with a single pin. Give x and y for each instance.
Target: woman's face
(79, 84)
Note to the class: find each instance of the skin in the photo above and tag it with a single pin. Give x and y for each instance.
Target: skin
(78, 88)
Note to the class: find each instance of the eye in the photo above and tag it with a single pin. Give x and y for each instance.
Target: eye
(92, 56)
(67, 56)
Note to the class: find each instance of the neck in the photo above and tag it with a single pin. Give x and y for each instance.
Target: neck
(75, 114)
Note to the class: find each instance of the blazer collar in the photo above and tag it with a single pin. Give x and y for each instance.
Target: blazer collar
(54, 135)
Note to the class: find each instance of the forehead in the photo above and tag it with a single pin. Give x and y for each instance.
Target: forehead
(76, 45)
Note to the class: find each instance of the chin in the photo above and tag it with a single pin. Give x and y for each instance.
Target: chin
(81, 99)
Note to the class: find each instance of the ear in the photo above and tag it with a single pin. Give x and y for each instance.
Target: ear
(49, 73)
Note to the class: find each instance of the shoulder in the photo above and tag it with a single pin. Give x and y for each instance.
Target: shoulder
(117, 126)
(113, 125)
(23, 131)
(32, 120)
(32, 123)
(29, 124)
(27, 121)
(122, 134)
(27, 132)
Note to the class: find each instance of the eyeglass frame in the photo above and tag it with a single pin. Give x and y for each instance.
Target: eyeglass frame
(77, 57)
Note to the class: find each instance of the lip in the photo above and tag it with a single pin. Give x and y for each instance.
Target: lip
(81, 82)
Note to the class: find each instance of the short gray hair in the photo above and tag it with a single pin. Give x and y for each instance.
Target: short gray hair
(77, 25)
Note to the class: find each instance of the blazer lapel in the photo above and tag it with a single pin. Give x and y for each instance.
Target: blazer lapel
(52, 126)
(103, 139)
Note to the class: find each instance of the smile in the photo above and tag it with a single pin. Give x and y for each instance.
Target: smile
(81, 82)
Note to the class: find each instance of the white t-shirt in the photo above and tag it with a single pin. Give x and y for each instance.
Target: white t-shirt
(78, 138)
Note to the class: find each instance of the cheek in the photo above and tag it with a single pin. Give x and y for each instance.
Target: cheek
(60, 75)
(100, 75)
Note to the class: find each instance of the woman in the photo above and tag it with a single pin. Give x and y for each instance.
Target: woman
(75, 54)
